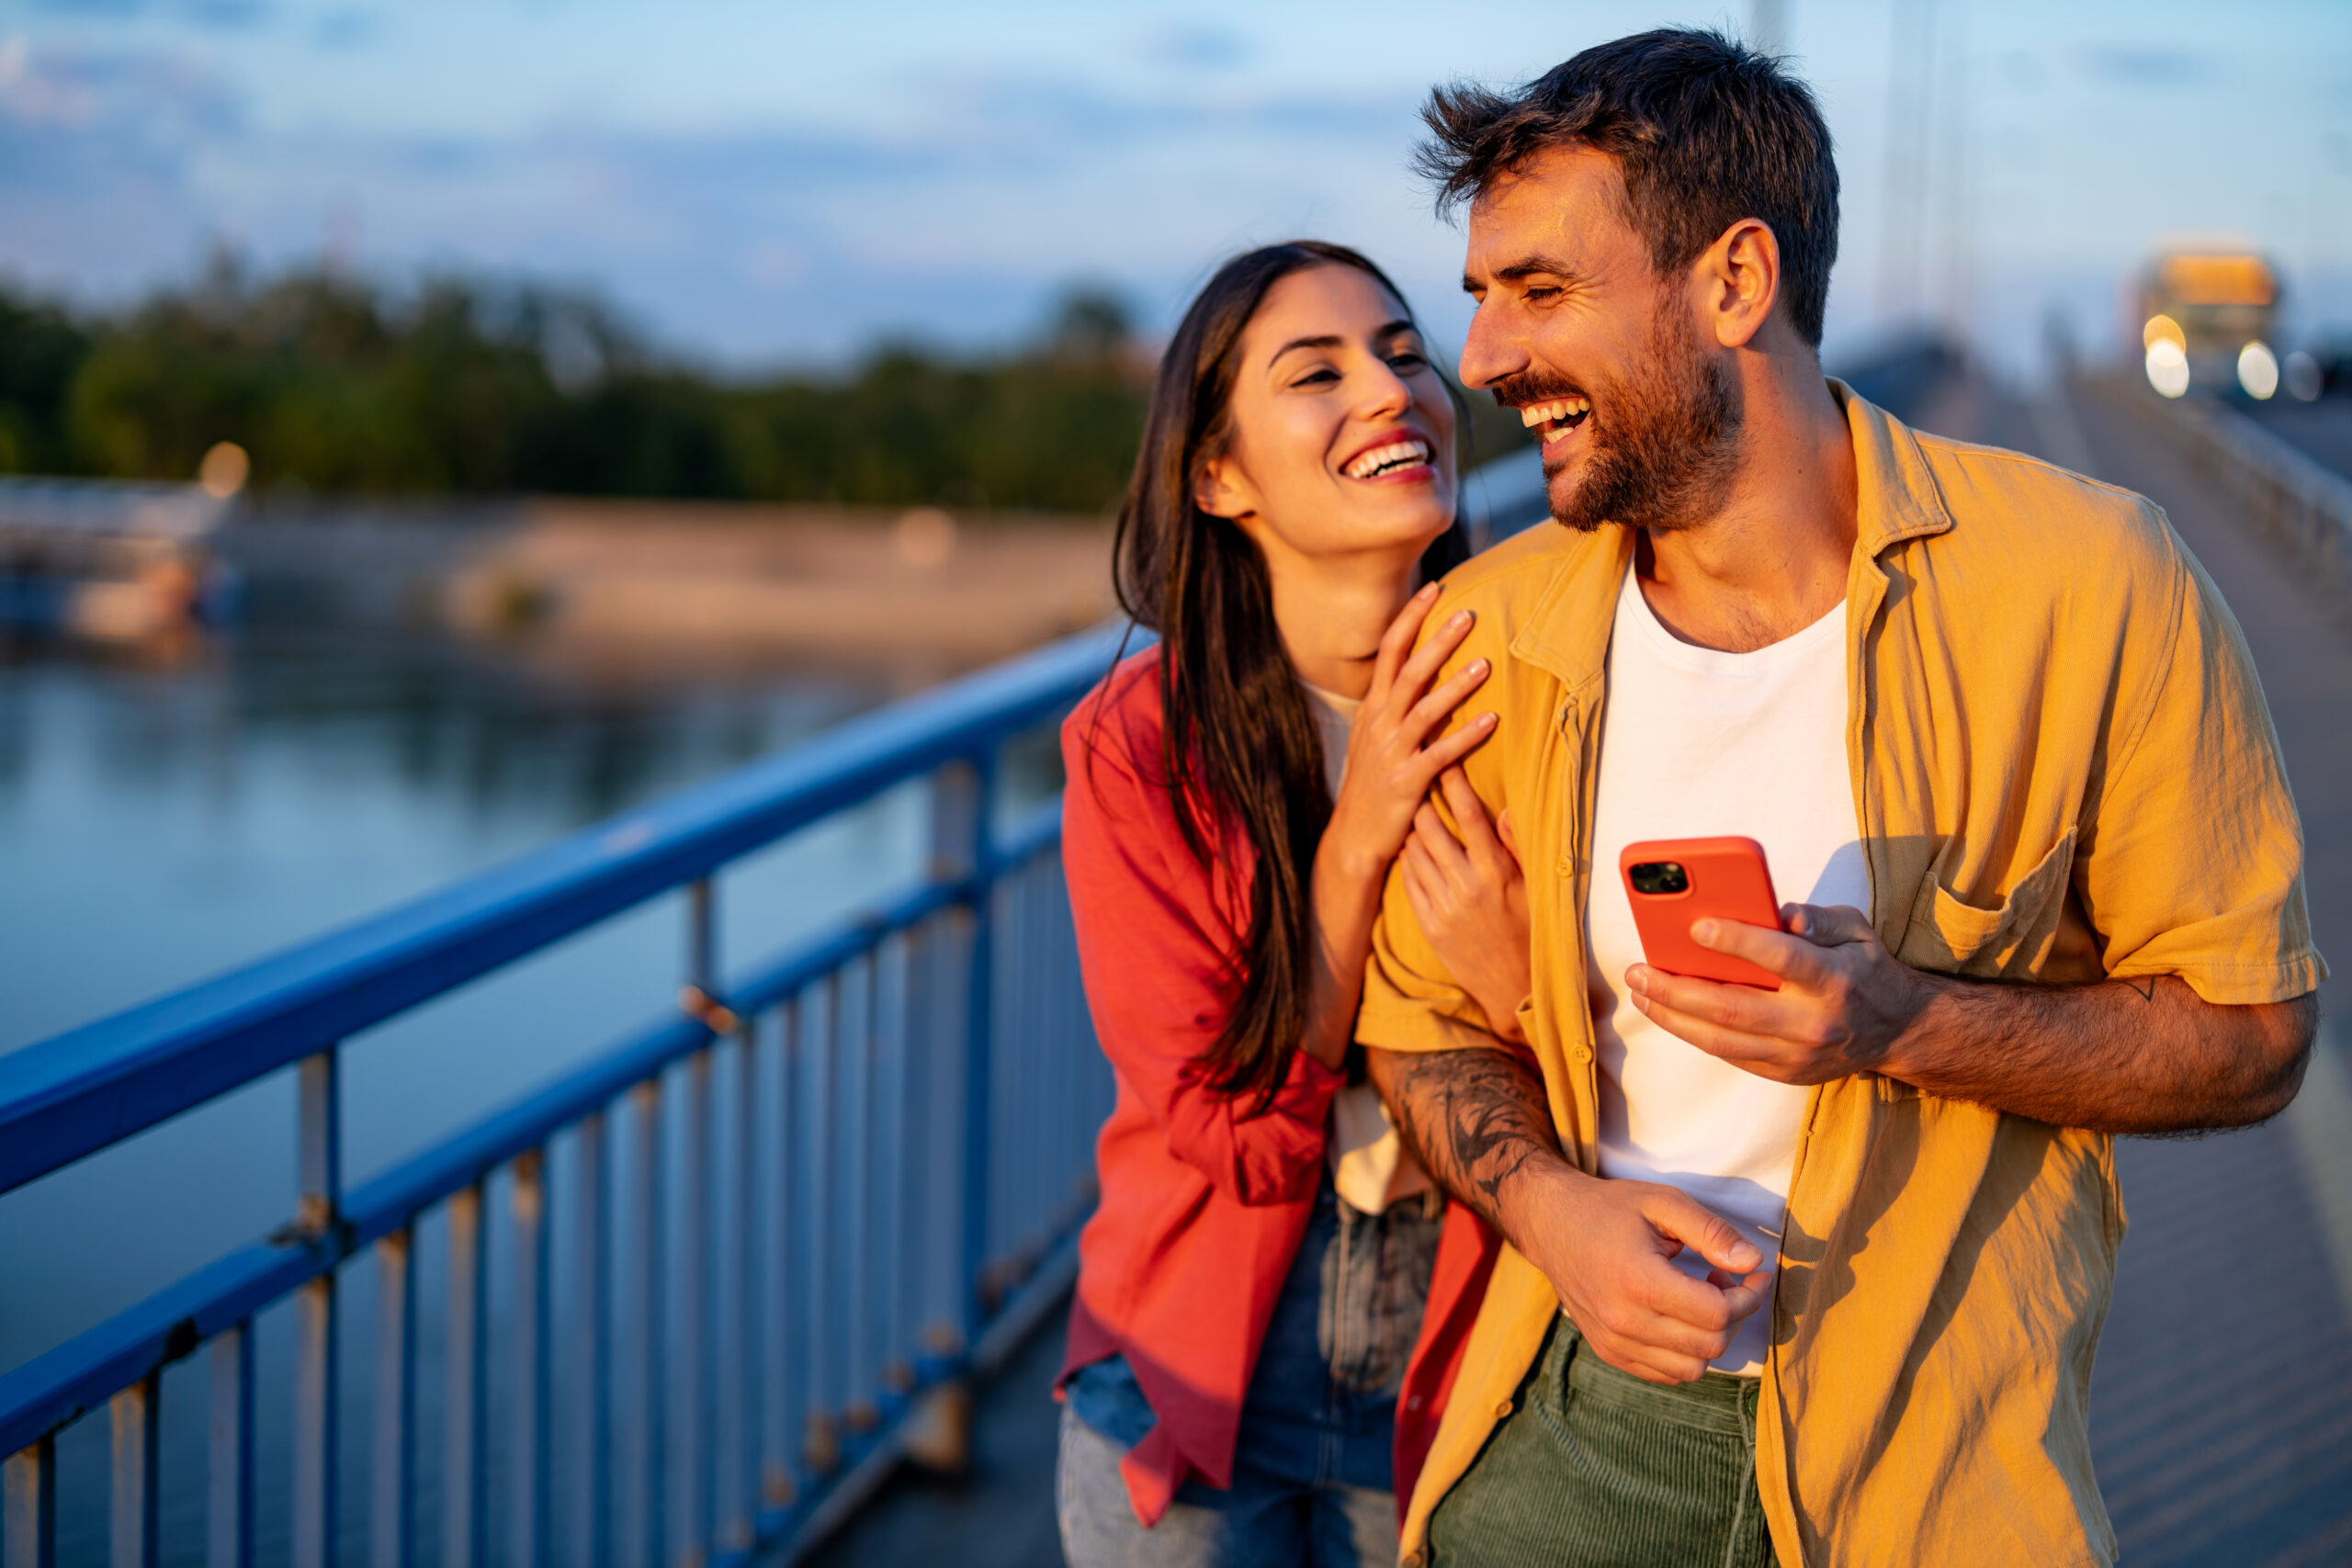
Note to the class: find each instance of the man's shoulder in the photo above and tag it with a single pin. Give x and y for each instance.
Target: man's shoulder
(1510, 583)
(2039, 523)
(1519, 569)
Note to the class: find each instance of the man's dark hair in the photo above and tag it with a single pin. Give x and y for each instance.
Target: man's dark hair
(1704, 132)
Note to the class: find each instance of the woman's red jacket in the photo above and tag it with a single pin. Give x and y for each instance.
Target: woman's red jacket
(1202, 1207)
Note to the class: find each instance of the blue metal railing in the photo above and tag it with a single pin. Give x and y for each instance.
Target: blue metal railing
(791, 1210)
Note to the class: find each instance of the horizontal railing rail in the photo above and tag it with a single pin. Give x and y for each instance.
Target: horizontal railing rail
(2302, 508)
(792, 1207)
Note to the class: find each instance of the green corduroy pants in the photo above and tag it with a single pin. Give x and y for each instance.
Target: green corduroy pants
(1593, 1468)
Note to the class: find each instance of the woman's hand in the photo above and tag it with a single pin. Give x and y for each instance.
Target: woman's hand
(1471, 898)
(1392, 763)
(1392, 760)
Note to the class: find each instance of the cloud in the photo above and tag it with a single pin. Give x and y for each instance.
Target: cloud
(2146, 66)
(742, 244)
(1195, 45)
(224, 14)
(228, 16)
(347, 27)
(110, 9)
(144, 95)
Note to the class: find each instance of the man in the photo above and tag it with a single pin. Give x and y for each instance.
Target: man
(1813, 1273)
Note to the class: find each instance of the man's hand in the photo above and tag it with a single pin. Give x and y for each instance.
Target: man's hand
(2139, 1054)
(1843, 1004)
(1478, 1120)
(1608, 1248)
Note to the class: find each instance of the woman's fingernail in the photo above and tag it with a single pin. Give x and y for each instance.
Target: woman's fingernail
(1486, 720)
(1478, 667)
(1702, 930)
(1461, 618)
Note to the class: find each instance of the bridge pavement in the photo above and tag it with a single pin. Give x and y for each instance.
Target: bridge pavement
(2222, 1408)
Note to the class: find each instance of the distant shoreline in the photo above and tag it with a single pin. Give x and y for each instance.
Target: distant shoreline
(584, 581)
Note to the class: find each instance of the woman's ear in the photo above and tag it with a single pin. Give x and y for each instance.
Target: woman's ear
(1221, 490)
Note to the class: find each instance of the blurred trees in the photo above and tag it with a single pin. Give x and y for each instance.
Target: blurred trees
(331, 384)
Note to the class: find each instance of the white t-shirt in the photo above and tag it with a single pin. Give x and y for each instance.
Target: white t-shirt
(1698, 743)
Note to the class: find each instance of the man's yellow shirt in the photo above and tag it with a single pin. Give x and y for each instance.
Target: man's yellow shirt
(2063, 771)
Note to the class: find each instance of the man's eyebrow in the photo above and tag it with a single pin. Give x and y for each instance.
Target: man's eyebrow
(1526, 266)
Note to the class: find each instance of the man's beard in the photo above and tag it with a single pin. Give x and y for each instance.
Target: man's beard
(1664, 443)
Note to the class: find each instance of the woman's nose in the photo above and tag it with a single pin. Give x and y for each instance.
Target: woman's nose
(1386, 394)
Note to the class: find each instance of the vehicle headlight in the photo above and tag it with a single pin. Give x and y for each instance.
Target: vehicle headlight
(2167, 368)
(2258, 370)
(2305, 380)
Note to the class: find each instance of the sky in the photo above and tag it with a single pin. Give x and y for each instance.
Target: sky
(763, 185)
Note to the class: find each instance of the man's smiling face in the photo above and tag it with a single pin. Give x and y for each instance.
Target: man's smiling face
(1577, 329)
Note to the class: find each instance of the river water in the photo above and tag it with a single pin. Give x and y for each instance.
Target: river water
(163, 818)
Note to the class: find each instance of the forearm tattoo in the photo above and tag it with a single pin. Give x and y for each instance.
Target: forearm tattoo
(1475, 1117)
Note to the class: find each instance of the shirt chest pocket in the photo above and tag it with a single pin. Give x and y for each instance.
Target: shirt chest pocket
(1952, 937)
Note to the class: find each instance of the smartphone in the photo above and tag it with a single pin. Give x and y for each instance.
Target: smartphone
(1673, 881)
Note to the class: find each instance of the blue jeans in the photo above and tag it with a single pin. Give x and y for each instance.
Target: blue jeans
(1312, 1467)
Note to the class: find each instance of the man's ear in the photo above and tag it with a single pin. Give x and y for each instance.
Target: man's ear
(1740, 279)
(1221, 490)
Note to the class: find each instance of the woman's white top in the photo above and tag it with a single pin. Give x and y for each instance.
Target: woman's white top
(1370, 1167)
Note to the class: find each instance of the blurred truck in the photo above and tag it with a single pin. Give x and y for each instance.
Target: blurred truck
(2207, 317)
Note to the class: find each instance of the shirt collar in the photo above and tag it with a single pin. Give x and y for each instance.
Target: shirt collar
(1897, 500)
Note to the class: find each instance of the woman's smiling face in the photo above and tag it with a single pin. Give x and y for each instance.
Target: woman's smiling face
(1341, 431)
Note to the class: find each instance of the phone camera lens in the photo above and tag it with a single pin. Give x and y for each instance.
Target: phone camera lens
(1659, 876)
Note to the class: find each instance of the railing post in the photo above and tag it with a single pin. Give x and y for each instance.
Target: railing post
(465, 1413)
(527, 1458)
(820, 1198)
(391, 1515)
(592, 1369)
(783, 1321)
(971, 786)
(316, 1215)
(134, 1534)
(686, 1466)
(229, 1528)
(639, 1322)
(29, 1496)
(861, 1412)
(737, 1445)
(939, 1430)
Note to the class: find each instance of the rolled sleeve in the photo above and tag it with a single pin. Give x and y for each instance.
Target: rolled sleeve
(1411, 1002)
(2193, 865)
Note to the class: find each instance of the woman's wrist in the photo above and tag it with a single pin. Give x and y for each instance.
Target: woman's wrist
(1351, 870)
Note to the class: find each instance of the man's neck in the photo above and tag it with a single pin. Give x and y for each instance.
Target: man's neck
(1774, 556)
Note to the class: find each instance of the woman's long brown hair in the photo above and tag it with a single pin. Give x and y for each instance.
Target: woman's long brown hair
(1240, 745)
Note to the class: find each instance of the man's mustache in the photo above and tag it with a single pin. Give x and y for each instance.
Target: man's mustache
(1533, 387)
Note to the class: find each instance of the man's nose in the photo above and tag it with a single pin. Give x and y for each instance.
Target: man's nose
(1491, 352)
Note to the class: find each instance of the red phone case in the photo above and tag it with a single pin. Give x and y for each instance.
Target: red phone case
(1728, 880)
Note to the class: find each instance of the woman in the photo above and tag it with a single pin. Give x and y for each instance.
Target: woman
(1253, 1286)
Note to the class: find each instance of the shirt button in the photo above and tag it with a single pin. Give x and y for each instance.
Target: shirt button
(1502, 1411)
(1584, 1053)
(1416, 1558)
